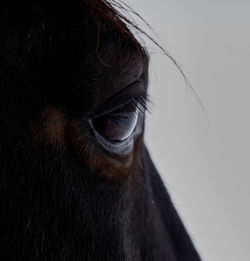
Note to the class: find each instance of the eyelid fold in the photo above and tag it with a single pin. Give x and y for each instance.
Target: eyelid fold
(134, 93)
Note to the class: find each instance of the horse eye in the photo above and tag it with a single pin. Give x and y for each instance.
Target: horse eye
(116, 126)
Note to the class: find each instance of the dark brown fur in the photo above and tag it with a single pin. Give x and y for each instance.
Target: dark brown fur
(63, 197)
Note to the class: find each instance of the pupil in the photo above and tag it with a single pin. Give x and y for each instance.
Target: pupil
(116, 126)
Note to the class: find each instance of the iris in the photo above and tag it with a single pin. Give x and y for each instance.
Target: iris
(118, 125)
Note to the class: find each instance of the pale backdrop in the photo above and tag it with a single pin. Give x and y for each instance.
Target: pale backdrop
(205, 164)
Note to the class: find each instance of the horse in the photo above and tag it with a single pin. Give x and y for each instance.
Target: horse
(76, 179)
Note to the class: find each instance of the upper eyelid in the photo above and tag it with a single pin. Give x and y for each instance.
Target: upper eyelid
(114, 109)
(129, 104)
(127, 95)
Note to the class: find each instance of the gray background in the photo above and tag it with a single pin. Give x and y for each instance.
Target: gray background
(205, 164)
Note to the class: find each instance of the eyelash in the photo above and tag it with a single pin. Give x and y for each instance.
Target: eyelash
(140, 103)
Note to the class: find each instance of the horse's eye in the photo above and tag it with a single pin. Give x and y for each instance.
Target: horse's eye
(116, 126)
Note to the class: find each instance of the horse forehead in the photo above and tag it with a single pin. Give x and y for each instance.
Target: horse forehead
(121, 76)
(117, 77)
